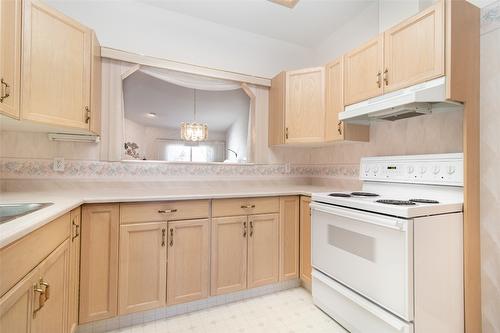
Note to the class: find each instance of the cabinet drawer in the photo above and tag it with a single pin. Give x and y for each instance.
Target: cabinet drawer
(18, 258)
(163, 211)
(245, 206)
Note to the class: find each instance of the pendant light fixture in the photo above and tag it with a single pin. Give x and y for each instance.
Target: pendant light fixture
(194, 131)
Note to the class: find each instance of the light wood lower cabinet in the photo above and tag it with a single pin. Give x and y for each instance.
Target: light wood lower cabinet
(99, 262)
(289, 237)
(143, 266)
(38, 303)
(263, 249)
(50, 308)
(188, 261)
(305, 241)
(229, 254)
(74, 269)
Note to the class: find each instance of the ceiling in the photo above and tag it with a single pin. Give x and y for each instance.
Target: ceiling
(308, 23)
(174, 104)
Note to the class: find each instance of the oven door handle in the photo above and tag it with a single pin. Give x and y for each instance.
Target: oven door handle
(386, 222)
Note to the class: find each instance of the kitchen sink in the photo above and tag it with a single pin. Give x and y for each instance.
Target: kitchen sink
(9, 212)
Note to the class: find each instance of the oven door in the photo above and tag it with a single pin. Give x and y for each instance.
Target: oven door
(370, 253)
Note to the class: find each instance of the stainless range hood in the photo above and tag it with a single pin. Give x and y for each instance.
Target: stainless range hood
(420, 99)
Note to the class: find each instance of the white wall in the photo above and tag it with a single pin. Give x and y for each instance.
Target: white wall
(237, 138)
(156, 32)
(391, 12)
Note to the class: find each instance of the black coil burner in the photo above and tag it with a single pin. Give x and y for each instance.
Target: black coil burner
(364, 194)
(425, 201)
(396, 202)
(340, 195)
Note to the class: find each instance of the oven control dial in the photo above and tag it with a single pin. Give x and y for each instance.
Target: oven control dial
(410, 169)
(423, 169)
(436, 170)
(451, 169)
(375, 170)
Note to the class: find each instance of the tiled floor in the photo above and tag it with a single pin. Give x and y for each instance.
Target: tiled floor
(289, 311)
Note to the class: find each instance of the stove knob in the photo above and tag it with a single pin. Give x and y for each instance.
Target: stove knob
(451, 169)
(367, 168)
(436, 169)
(411, 169)
(423, 169)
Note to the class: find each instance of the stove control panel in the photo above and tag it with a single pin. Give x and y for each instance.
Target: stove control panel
(440, 169)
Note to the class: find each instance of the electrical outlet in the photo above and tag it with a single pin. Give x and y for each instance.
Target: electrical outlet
(58, 164)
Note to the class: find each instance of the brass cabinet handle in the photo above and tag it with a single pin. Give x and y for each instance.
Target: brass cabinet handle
(286, 133)
(41, 298)
(386, 77)
(87, 118)
(247, 206)
(46, 288)
(379, 79)
(251, 228)
(339, 127)
(5, 90)
(166, 211)
(171, 237)
(163, 237)
(244, 229)
(77, 230)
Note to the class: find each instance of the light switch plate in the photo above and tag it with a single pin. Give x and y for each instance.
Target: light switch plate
(58, 164)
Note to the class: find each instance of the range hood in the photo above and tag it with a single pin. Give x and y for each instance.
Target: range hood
(413, 101)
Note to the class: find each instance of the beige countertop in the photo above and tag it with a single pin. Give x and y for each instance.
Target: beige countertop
(67, 199)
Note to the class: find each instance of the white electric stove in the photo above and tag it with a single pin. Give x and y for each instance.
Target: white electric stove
(388, 258)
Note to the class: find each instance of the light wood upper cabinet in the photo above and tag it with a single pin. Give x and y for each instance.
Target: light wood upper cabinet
(229, 254)
(188, 261)
(305, 105)
(263, 249)
(364, 68)
(95, 84)
(336, 130)
(50, 315)
(289, 237)
(74, 269)
(305, 241)
(143, 266)
(10, 57)
(57, 69)
(99, 262)
(297, 107)
(414, 49)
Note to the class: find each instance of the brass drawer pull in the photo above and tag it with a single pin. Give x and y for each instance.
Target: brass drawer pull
(166, 211)
(171, 237)
(163, 237)
(339, 127)
(386, 77)
(87, 112)
(244, 229)
(379, 79)
(251, 228)
(247, 206)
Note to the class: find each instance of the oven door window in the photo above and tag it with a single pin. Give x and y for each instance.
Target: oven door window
(369, 253)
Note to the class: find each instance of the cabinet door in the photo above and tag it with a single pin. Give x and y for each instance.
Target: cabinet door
(56, 67)
(276, 131)
(188, 261)
(95, 85)
(414, 49)
(74, 269)
(334, 86)
(305, 105)
(10, 57)
(305, 241)
(51, 316)
(143, 266)
(363, 71)
(99, 262)
(263, 249)
(16, 305)
(229, 254)
(289, 238)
